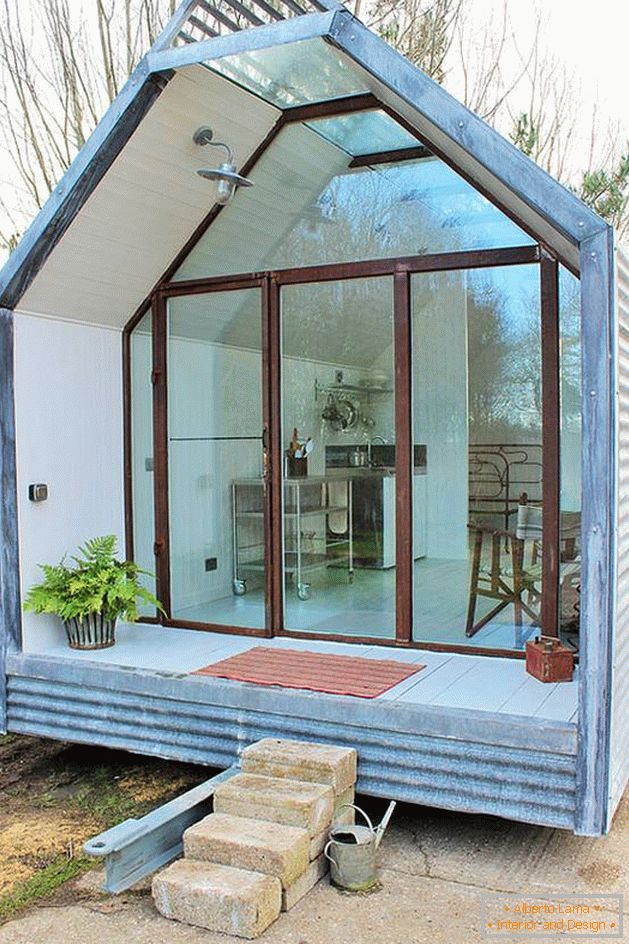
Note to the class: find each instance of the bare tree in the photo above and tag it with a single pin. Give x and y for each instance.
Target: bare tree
(59, 69)
(441, 37)
(57, 81)
(423, 30)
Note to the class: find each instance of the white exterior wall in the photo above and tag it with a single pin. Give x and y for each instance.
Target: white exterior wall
(68, 393)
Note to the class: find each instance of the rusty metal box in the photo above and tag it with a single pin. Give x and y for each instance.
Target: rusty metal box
(549, 660)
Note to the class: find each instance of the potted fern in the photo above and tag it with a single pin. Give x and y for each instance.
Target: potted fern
(91, 594)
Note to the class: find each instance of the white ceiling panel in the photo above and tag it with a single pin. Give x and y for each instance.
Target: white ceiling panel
(148, 204)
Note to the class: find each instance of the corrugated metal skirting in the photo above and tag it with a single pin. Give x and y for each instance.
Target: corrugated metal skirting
(518, 783)
(619, 751)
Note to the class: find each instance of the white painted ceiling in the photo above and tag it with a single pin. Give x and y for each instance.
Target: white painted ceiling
(148, 203)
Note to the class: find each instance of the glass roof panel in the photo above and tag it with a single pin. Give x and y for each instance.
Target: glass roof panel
(310, 70)
(364, 132)
(307, 207)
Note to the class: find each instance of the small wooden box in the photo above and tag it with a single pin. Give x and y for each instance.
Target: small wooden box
(549, 660)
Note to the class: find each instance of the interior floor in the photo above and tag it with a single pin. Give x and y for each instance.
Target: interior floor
(366, 607)
(448, 680)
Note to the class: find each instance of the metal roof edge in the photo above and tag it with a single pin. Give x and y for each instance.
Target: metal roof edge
(308, 26)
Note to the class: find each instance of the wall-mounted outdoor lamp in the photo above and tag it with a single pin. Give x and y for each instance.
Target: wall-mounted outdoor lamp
(226, 174)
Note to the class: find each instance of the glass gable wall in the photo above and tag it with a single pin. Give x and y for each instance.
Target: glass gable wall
(308, 207)
(476, 410)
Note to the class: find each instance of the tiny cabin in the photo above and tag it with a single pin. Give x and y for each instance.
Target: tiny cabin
(315, 343)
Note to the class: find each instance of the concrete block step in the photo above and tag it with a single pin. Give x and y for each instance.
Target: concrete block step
(345, 817)
(258, 845)
(291, 802)
(218, 897)
(295, 892)
(300, 760)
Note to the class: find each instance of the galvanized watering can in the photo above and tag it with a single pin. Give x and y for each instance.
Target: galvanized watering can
(352, 851)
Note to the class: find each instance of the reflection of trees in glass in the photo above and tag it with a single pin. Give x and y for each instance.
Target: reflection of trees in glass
(504, 386)
(570, 351)
(362, 215)
(347, 323)
(397, 209)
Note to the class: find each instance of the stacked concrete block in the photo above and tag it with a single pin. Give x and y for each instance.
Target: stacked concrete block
(261, 850)
(299, 760)
(259, 845)
(290, 802)
(218, 897)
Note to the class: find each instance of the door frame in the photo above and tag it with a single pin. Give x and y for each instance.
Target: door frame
(159, 378)
(270, 283)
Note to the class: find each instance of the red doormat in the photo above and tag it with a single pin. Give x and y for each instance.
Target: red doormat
(315, 671)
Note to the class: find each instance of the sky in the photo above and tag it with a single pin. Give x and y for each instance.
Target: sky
(590, 39)
(595, 46)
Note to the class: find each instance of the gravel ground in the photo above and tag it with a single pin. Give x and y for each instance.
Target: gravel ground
(434, 869)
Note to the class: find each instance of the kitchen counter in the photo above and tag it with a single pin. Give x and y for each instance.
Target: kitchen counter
(365, 472)
(339, 475)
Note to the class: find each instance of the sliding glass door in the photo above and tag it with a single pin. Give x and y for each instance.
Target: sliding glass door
(338, 444)
(364, 452)
(217, 517)
(477, 407)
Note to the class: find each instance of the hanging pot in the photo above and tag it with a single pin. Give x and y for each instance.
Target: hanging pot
(347, 416)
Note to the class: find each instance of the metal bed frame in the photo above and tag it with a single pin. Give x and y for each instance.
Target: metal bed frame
(498, 475)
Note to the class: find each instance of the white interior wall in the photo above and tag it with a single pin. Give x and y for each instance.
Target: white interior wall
(215, 390)
(439, 312)
(68, 392)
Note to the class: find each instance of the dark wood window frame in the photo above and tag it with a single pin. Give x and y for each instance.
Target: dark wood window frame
(270, 283)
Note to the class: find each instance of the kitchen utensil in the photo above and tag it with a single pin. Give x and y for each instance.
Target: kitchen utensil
(348, 415)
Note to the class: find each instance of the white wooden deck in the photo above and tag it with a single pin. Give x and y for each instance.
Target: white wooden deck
(449, 680)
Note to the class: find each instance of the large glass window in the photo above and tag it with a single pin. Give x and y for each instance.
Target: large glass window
(217, 544)
(570, 451)
(307, 207)
(339, 498)
(477, 410)
(141, 364)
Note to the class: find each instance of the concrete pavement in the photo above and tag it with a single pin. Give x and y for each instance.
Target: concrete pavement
(435, 867)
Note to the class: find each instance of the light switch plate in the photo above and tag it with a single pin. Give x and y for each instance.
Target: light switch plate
(38, 492)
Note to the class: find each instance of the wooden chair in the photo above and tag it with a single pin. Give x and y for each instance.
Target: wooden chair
(511, 572)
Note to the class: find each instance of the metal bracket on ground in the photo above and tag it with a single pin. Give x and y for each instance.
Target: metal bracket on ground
(137, 847)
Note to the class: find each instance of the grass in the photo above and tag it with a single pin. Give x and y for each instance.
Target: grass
(55, 796)
(105, 800)
(42, 883)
